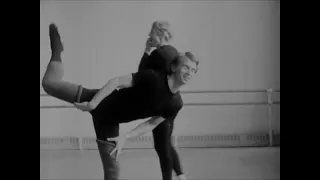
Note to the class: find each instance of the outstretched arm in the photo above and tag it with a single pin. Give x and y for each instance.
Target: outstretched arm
(144, 78)
(112, 84)
(141, 129)
(144, 127)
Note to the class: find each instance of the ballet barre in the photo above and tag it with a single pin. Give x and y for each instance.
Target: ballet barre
(268, 102)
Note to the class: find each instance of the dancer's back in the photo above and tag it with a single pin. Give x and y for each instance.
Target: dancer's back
(149, 96)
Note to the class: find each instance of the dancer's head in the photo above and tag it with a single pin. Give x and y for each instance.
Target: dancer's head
(184, 67)
(160, 33)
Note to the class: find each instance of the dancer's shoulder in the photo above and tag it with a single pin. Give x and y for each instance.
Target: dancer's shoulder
(145, 76)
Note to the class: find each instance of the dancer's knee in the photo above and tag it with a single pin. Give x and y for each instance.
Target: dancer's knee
(162, 142)
(47, 84)
(163, 153)
(50, 85)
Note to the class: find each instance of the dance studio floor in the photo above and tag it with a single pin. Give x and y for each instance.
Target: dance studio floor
(142, 164)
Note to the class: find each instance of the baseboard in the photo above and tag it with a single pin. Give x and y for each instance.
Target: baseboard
(182, 141)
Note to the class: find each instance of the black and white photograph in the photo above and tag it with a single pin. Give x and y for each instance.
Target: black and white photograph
(160, 90)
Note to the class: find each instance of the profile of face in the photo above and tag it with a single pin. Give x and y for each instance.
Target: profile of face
(185, 70)
(154, 38)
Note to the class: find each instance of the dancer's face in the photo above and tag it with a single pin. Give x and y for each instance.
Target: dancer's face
(185, 70)
(154, 38)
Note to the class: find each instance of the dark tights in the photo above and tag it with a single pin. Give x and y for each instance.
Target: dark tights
(167, 153)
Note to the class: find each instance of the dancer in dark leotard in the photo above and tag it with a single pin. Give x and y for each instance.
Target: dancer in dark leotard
(123, 99)
(160, 60)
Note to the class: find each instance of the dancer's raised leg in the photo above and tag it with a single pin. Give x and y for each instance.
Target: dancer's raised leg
(52, 81)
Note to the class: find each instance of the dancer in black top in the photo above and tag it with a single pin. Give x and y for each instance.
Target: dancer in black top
(123, 99)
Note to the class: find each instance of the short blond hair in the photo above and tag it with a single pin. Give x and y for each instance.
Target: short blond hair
(163, 29)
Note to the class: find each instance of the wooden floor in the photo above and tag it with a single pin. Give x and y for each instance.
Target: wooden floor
(143, 164)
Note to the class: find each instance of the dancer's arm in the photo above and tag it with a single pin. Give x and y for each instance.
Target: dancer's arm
(141, 129)
(153, 122)
(144, 60)
(149, 47)
(144, 127)
(112, 84)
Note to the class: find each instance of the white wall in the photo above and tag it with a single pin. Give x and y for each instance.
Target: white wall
(237, 43)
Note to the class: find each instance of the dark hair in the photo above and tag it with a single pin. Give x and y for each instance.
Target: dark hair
(179, 58)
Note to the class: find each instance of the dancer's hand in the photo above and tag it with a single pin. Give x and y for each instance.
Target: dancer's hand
(120, 140)
(84, 106)
(148, 46)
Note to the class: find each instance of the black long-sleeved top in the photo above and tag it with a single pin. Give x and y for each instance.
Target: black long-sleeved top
(159, 60)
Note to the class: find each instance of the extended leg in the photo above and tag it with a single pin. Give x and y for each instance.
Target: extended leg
(52, 82)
